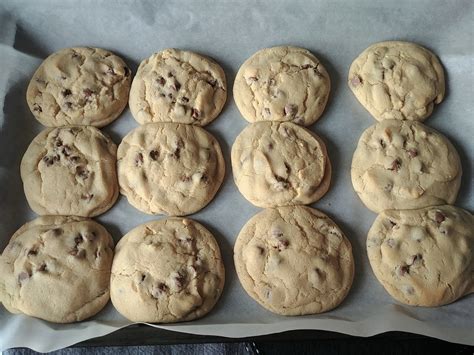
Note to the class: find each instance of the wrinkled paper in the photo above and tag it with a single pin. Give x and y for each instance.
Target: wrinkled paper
(230, 31)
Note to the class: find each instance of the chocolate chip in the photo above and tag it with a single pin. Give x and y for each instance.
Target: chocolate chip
(87, 197)
(393, 224)
(271, 82)
(91, 236)
(412, 153)
(82, 172)
(270, 146)
(267, 111)
(290, 110)
(388, 187)
(162, 95)
(195, 113)
(110, 71)
(160, 80)
(58, 143)
(154, 154)
(204, 179)
(439, 217)
(184, 99)
(143, 278)
(57, 231)
(382, 143)
(287, 167)
(170, 75)
(170, 95)
(212, 82)
(260, 250)
(23, 276)
(43, 268)
(78, 253)
(139, 159)
(356, 81)
(396, 165)
(159, 290)
(87, 92)
(282, 244)
(37, 108)
(79, 239)
(126, 71)
(74, 54)
(416, 258)
(48, 160)
(306, 66)
(176, 86)
(320, 273)
(283, 182)
(68, 105)
(56, 157)
(74, 159)
(403, 270)
(180, 279)
(32, 252)
(66, 92)
(66, 151)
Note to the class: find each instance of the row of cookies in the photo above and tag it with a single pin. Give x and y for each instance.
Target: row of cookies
(63, 269)
(419, 247)
(291, 259)
(91, 86)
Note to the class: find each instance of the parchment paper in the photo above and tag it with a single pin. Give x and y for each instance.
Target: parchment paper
(230, 31)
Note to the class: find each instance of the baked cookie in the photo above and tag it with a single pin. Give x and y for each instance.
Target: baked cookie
(280, 163)
(79, 86)
(166, 271)
(294, 261)
(57, 268)
(169, 168)
(282, 84)
(424, 257)
(178, 86)
(70, 171)
(405, 165)
(397, 80)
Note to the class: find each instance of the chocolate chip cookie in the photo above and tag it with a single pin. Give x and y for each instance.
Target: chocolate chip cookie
(169, 168)
(79, 86)
(282, 84)
(166, 271)
(397, 80)
(405, 165)
(70, 171)
(280, 163)
(424, 257)
(178, 86)
(294, 261)
(57, 268)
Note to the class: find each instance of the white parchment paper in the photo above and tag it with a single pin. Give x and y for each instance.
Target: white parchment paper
(230, 31)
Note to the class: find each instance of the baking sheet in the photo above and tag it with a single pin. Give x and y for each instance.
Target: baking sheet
(230, 31)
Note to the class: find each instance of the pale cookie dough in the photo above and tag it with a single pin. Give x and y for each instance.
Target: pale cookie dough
(294, 261)
(57, 268)
(178, 86)
(424, 257)
(166, 271)
(282, 84)
(79, 86)
(169, 168)
(70, 171)
(397, 80)
(280, 163)
(405, 165)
